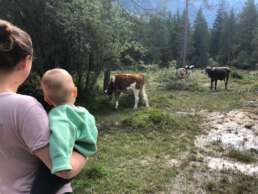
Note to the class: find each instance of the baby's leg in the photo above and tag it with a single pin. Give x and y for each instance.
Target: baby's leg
(47, 183)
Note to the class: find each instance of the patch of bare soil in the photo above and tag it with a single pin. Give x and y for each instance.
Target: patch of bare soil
(225, 158)
(235, 131)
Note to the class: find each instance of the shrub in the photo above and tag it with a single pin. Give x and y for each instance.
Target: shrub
(170, 81)
(174, 83)
(172, 64)
(210, 186)
(246, 66)
(212, 62)
(152, 118)
(190, 84)
(236, 75)
(97, 104)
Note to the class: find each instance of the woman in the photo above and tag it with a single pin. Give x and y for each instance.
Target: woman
(24, 129)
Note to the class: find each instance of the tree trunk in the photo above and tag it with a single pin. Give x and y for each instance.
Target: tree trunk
(185, 33)
(106, 79)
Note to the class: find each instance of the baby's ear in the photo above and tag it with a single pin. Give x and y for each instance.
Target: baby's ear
(74, 92)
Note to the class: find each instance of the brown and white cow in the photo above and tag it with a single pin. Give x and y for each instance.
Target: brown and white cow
(182, 73)
(127, 82)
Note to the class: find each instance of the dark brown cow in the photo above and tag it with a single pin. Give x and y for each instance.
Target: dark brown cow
(127, 82)
(218, 73)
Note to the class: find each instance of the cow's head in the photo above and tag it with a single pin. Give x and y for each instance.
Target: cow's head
(111, 87)
(208, 70)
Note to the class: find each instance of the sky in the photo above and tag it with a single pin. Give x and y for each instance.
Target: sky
(209, 11)
(194, 6)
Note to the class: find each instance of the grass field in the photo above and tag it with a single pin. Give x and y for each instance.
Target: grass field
(144, 151)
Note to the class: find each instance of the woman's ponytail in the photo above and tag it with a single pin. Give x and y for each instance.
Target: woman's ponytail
(6, 40)
(15, 44)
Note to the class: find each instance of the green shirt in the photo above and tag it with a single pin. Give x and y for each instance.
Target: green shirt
(71, 128)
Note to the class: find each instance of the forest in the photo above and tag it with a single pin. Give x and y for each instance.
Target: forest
(88, 37)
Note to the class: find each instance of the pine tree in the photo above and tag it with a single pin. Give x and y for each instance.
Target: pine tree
(246, 29)
(200, 40)
(157, 38)
(216, 31)
(172, 36)
(255, 46)
(180, 27)
(175, 27)
(227, 39)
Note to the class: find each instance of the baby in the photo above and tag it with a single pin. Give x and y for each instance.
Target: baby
(72, 128)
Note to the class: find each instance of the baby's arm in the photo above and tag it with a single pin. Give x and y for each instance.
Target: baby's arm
(87, 145)
(61, 142)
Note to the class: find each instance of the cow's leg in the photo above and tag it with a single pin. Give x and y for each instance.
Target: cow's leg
(226, 83)
(136, 93)
(216, 84)
(117, 96)
(187, 74)
(211, 84)
(145, 97)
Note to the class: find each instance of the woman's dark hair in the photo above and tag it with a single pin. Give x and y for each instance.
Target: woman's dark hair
(15, 44)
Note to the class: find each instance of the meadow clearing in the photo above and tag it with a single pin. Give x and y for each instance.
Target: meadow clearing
(154, 150)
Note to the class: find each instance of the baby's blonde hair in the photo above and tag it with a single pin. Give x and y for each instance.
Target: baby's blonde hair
(58, 84)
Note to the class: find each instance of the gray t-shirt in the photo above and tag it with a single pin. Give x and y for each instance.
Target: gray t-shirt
(24, 128)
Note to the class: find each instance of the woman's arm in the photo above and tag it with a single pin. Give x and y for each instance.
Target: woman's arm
(77, 161)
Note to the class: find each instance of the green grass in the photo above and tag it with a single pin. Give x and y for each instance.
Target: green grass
(150, 119)
(246, 157)
(134, 147)
(201, 97)
(228, 183)
(132, 158)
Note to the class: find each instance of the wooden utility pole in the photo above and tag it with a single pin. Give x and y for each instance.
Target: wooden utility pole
(185, 32)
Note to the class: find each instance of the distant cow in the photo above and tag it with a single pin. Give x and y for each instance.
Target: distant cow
(182, 73)
(218, 73)
(189, 67)
(127, 82)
